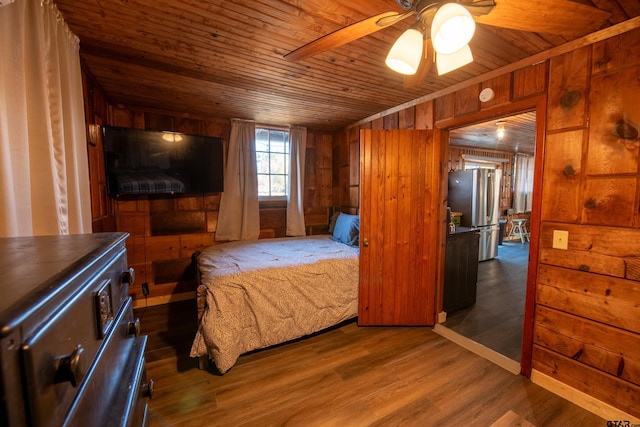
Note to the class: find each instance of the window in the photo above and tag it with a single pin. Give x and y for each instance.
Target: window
(272, 158)
(480, 165)
(523, 183)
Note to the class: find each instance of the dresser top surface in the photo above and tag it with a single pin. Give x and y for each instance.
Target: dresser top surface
(32, 267)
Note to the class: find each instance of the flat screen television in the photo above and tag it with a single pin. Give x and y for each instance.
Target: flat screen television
(140, 161)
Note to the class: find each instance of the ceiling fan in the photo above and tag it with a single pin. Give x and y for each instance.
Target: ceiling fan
(443, 30)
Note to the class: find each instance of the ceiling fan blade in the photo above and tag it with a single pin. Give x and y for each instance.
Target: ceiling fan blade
(347, 34)
(423, 69)
(561, 17)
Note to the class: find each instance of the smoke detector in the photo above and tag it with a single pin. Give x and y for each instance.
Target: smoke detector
(486, 95)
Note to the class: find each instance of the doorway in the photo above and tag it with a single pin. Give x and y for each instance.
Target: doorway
(496, 319)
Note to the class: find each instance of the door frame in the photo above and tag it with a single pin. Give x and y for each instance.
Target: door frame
(539, 104)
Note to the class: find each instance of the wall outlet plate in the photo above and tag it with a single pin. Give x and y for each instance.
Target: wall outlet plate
(560, 239)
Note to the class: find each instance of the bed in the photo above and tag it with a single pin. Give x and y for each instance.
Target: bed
(257, 294)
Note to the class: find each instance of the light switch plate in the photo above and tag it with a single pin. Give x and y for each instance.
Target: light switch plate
(560, 239)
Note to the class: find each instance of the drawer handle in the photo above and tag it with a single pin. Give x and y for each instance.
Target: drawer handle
(128, 276)
(147, 389)
(133, 328)
(70, 367)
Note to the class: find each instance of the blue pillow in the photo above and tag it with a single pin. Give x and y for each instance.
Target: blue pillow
(347, 230)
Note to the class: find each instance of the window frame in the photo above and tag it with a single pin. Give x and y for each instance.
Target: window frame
(275, 200)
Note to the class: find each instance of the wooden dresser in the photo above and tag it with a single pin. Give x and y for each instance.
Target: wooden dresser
(71, 352)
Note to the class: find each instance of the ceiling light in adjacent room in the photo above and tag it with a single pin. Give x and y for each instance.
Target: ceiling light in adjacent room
(500, 131)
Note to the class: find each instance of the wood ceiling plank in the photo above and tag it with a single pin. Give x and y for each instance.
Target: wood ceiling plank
(249, 59)
(631, 7)
(520, 132)
(617, 13)
(225, 58)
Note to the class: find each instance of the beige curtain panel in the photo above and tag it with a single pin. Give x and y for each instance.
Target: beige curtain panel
(239, 214)
(295, 200)
(44, 174)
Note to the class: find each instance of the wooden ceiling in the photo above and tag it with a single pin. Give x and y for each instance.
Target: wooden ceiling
(224, 58)
(519, 136)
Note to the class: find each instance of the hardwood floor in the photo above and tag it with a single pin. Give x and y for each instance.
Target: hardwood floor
(347, 376)
(496, 319)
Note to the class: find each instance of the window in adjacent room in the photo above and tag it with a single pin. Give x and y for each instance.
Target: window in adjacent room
(480, 165)
(523, 183)
(272, 157)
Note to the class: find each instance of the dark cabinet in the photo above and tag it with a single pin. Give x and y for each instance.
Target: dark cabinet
(461, 270)
(70, 347)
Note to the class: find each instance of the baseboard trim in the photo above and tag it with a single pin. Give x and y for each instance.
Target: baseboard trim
(581, 399)
(485, 352)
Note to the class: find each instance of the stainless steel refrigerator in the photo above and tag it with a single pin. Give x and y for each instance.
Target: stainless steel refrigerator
(476, 193)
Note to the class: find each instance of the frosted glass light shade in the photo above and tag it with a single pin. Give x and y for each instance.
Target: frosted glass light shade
(452, 28)
(453, 61)
(406, 53)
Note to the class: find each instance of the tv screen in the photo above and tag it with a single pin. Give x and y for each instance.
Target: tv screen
(153, 162)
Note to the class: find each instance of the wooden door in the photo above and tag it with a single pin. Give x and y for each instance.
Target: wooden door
(399, 228)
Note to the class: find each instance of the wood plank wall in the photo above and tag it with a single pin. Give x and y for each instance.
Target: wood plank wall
(587, 328)
(96, 108)
(167, 230)
(586, 298)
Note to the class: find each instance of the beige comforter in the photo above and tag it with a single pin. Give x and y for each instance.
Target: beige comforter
(269, 291)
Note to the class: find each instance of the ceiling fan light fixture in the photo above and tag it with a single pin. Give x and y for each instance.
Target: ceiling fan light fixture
(452, 28)
(406, 53)
(449, 62)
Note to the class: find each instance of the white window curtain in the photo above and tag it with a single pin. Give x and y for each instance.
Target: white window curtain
(44, 174)
(523, 186)
(239, 214)
(295, 208)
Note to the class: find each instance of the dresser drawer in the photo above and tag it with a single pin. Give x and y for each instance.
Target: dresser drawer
(59, 357)
(124, 391)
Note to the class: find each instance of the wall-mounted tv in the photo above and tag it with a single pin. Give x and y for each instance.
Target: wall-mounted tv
(152, 162)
